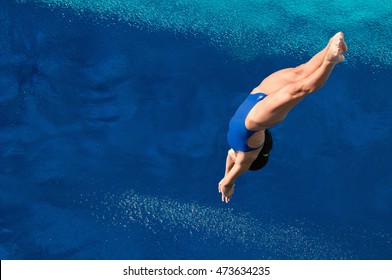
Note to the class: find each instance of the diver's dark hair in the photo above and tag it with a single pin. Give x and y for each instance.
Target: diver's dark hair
(262, 158)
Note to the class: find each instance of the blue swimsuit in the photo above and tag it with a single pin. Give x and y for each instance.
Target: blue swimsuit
(238, 134)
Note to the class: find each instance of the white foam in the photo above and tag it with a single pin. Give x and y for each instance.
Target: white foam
(262, 237)
(248, 29)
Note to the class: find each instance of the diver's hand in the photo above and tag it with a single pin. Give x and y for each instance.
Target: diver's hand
(226, 189)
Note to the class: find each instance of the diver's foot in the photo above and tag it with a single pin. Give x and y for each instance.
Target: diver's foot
(339, 36)
(336, 48)
(334, 37)
(342, 44)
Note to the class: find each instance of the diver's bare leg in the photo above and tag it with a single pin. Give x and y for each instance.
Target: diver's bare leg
(316, 80)
(280, 79)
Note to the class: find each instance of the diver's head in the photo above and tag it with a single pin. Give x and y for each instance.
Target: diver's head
(262, 158)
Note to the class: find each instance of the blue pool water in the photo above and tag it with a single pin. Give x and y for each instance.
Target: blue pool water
(113, 121)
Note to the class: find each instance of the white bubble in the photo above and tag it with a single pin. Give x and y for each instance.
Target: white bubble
(254, 28)
(261, 236)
